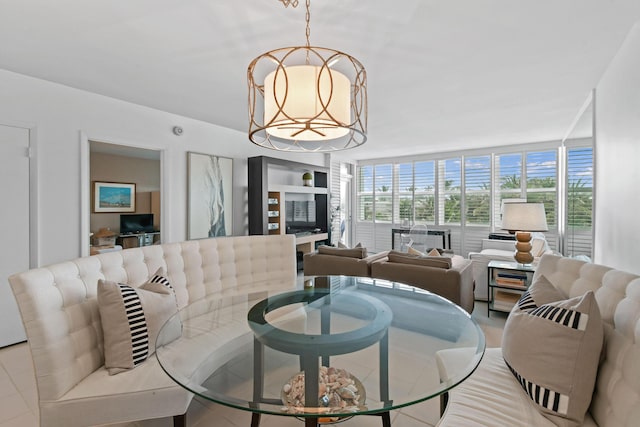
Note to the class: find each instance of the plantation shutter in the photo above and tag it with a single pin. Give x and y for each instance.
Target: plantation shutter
(542, 174)
(477, 182)
(579, 236)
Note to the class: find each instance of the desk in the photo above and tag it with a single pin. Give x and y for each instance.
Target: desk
(446, 235)
(241, 350)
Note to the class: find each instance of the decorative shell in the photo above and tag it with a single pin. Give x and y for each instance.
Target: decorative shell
(338, 391)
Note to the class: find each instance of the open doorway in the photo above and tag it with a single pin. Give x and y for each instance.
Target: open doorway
(125, 197)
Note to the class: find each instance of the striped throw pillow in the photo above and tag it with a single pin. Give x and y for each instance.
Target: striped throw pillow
(131, 319)
(553, 350)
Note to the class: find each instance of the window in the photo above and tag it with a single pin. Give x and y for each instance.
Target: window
(450, 191)
(465, 193)
(416, 193)
(382, 198)
(477, 183)
(365, 193)
(579, 201)
(424, 199)
(541, 182)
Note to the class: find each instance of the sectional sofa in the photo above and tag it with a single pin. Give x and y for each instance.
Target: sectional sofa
(448, 276)
(552, 358)
(66, 328)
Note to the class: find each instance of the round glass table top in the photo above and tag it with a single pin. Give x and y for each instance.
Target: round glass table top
(330, 346)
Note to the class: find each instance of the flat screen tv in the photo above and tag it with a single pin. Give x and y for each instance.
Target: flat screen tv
(136, 223)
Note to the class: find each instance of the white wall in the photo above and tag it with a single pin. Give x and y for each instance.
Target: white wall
(617, 171)
(60, 114)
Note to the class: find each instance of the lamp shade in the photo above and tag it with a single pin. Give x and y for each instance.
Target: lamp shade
(524, 217)
(307, 102)
(307, 99)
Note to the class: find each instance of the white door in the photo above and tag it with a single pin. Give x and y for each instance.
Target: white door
(14, 226)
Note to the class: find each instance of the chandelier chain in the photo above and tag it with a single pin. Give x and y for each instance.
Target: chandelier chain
(307, 17)
(293, 3)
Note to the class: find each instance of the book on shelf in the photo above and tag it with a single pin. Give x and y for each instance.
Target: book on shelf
(511, 275)
(507, 281)
(505, 300)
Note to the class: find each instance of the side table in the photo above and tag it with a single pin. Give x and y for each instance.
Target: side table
(507, 282)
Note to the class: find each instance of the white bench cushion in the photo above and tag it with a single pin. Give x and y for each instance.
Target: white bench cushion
(491, 397)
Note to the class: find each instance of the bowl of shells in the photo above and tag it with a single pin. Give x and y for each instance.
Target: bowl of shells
(338, 392)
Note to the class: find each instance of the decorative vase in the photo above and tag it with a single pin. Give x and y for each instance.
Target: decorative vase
(307, 179)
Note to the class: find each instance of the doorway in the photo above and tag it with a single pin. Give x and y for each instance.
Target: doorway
(140, 169)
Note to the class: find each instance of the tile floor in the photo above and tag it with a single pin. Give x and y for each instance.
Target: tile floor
(19, 408)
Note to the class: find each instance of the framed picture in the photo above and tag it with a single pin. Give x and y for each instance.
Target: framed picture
(114, 197)
(210, 196)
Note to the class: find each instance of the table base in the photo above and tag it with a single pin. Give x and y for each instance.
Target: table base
(313, 421)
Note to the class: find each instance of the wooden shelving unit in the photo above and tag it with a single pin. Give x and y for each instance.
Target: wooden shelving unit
(274, 214)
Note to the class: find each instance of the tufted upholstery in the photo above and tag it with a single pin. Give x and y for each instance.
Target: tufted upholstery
(58, 306)
(616, 398)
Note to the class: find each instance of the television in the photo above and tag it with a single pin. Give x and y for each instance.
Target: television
(136, 223)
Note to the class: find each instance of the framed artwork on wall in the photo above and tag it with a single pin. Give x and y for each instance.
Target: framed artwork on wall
(109, 197)
(210, 196)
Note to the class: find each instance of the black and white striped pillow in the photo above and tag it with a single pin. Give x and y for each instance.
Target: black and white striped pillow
(131, 319)
(553, 350)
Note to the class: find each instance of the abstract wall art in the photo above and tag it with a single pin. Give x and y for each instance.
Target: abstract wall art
(210, 196)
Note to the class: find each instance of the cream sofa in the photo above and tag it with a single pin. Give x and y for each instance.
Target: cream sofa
(453, 281)
(492, 396)
(60, 313)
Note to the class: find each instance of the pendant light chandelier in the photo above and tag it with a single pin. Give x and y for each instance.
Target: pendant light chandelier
(307, 99)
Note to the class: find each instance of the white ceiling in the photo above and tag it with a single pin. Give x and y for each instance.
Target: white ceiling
(442, 74)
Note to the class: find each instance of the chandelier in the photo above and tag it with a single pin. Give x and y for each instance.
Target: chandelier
(306, 98)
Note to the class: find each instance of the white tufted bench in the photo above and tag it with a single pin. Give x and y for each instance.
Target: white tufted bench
(59, 309)
(493, 397)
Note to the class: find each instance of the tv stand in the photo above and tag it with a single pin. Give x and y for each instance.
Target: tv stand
(136, 240)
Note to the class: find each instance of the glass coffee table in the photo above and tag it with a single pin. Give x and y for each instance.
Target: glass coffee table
(323, 351)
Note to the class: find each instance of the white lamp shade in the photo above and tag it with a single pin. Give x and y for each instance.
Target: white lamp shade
(524, 217)
(307, 102)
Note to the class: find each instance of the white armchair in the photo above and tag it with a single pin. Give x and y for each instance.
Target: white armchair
(500, 250)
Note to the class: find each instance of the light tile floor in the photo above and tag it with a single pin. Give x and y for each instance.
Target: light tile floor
(18, 396)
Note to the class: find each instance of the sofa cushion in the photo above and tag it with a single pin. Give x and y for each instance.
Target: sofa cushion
(351, 253)
(425, 261)
(553, 351)
(131, 319)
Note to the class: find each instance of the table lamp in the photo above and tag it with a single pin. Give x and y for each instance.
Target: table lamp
(522, 219)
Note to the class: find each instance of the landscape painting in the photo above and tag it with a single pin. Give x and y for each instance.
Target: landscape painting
(210, 180)
(114, 197)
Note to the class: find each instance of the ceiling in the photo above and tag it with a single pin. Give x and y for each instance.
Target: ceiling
(442, 75)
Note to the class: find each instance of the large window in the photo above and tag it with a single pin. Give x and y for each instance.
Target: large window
(468, 191)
